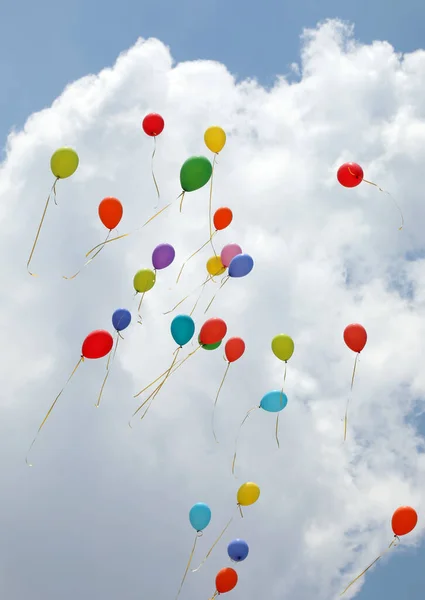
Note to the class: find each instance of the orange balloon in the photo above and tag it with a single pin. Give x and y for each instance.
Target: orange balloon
(110, 212)
(355, 337)
(234, 348)
(226, 579)
(404, 520)
(212, 331)
(222, 218)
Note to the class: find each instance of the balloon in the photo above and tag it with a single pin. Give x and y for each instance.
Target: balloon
(241, 265)
(226, 580)
(283, 347)
(215, 266)
(215, 139)
(195, 173)
(182, 329)
(274, 401)
(355, 337)
(212, 331)
(350, 174)
(153, 124)
(64, 163)
(404, 520)
(238, 550)
(97, 344)
(209, 346)
(144, 280)
(200, 516)
(163, 256)
(121, 319)
(229, 252)
(248, 494)
(234, 349)
(110, 212)
(222, 218)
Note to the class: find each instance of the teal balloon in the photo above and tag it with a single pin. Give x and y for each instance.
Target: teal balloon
(274, 401)
(182, 329)
(200, 516)
(195, 173)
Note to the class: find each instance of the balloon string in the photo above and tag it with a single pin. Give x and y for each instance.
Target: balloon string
(277, 430)
(53, 189)
(197, 301)
(52, 407)
(393, 544)
(213, 298)
(237, 439)
(181, 196)
(112, 356)
(189, 562)
(284, 375)
(188, 295)
(354, 370)
(349, 397)
(214, 596)
(153, 173)
(216, 398)
(194, 254)
(213, 546)
(210, 204)
(90, 259)
(140, 306)
(108, 370)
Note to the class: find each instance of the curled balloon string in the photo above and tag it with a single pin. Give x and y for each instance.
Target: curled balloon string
(153, 172)
(90, 259)
(213, 546)
(194, 254)
(349, 397)
(237, 438)
(216, 399)
(385, 192)
(392, 545)
(198, 535)
(213, 298)
(209, 278)
(52, 407)
(108, 369)
(37, 235)
(210, 204)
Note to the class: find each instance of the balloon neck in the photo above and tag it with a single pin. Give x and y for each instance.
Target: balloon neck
(199, 533)
(82, 358)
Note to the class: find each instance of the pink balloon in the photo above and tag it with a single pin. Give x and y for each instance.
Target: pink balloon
(229, 252)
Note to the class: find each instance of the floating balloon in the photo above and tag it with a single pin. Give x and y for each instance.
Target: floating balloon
(355, 337)
(238, 550)
(153, 124)
(213, 331)
(225, 581)
(215, 140)
(241, 265)
(182, 329)
(215, 267)
(209, 346)
(283, 348)
(194, 174)
(163, 256)
(143, 281)
(200, 516)
(274, 401)
(229, 252)
(63, 163)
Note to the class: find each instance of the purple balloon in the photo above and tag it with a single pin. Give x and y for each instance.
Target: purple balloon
(163, 256)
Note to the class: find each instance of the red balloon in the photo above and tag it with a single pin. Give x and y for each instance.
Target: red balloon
(97, 344)
(153, 124)
(226, 579)
(212, 331)
(234, 348)
(355, 337)
(350, 174)
(404, 520)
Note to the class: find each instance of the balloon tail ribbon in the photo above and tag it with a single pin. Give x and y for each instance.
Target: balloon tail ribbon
(153, 173)
(214, 596)
(181, 196)
(213, 298)
(348, 401)
(199, 533)
(108, 370)
(140, 306)
(52, 407)
(210, 205)
(392, 545)
(237, 438)
(188, 296)
(284, 375)
(37, 235)
(277, 430)
(111, 356)
(90, 259)
(216, 398)
(192, 255)
(213, 546)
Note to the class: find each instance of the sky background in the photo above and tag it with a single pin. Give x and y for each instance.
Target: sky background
(43, 49)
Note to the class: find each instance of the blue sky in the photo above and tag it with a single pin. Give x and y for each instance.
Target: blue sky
(43, 47)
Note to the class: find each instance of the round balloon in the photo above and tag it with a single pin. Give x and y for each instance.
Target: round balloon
(110, 212)
(121, 319)
(213, 331)
(195, 173)
(229, 252)
(163, 256)
(64, 163)
(241, 265)
(234, 348)
(97, 344)
(226, 580)
(182, 329)
(153, 124)
(200, 516)
(404, 520)
(209, 346)
(355, 337)
(248, 494)
(274, 401)
(222, 218)
(350, 174)
(215, 139)
(215, 267)
(283, 347)
(144, 280)
(238, 550)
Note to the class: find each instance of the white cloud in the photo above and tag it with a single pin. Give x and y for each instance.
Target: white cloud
(105, 508)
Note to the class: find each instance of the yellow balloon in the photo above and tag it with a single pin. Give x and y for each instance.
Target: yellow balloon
(64, 163)
(248, 494)
(215, 266)
(215, 139)
(144, 280)
(283, 346)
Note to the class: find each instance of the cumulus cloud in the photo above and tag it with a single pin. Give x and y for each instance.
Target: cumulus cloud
(104, 511)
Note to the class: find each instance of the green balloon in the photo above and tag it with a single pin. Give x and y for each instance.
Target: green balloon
(209, 346)
(195, 173)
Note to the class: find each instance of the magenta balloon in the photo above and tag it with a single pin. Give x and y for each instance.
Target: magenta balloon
(163, 256)
(229, 252)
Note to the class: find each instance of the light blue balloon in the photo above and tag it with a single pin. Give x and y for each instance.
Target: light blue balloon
(200, 516)
(274, 401)
(182, 329)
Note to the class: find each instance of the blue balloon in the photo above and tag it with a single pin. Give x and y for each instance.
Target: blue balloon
(241, 265)
(182, 329)
(238, 550)
(274, 401)
(200, 516)
(121, 319)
